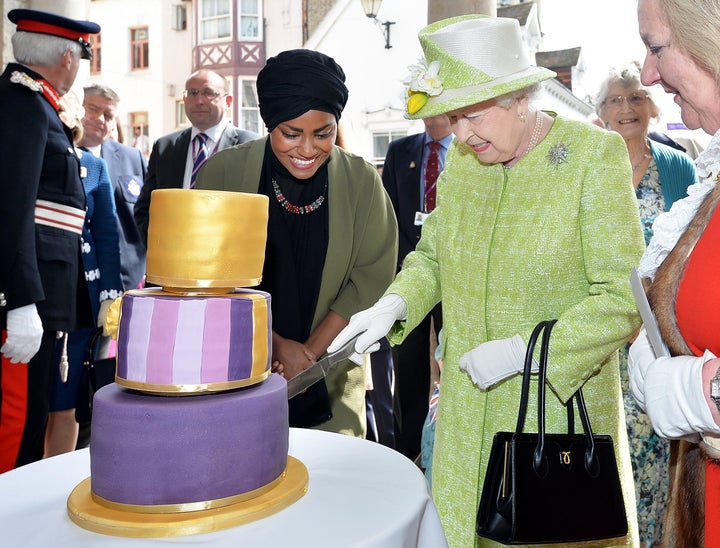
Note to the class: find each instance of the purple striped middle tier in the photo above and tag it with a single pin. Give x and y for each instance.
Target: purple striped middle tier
(189, 344)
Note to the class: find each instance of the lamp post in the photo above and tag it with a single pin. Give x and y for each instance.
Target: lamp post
(371, 8)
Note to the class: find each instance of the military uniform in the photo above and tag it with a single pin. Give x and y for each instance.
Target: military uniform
(41, 217)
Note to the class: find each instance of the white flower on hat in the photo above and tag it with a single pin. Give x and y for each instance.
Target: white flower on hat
(422, 83)
(424, 78)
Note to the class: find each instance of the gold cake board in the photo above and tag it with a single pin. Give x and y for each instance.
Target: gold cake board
(90, 515)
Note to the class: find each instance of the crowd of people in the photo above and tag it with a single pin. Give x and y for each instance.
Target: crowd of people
(496, 217)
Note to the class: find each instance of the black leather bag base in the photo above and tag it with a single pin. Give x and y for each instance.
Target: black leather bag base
(567, 505)
(545, 488)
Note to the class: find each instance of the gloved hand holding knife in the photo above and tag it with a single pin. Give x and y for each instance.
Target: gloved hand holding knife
(360, 336)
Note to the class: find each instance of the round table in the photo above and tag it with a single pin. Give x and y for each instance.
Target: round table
(359, 494)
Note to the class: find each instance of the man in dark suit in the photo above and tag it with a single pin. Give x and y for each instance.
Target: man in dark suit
(127, 169)
(404, 176)
(175, 158)
(42, 212)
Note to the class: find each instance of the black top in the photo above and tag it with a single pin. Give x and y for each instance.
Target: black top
(292, 273)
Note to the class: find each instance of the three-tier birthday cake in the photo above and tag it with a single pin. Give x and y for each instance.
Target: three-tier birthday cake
(193, 436)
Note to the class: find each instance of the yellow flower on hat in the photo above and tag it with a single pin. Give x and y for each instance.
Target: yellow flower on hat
(423, 82)
(416, 101)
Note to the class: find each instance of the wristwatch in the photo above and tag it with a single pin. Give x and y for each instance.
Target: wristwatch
(715, 389)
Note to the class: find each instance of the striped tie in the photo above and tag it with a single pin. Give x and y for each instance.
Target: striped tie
(432, 170)
(200, 155)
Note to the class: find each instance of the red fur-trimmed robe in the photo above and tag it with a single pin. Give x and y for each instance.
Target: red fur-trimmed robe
(685, 296)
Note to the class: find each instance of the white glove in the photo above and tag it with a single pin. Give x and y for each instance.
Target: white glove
(102, 315)
(493, 361)
(375, 322)
(670, 391)
(24, 334)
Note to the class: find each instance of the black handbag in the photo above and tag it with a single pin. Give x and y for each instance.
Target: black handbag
(96, 374)
(550, 488)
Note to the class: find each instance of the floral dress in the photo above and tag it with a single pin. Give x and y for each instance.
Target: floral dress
(648, 452)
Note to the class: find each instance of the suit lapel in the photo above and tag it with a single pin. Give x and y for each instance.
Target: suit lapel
(108, 151)
(413, 155)
(229, 137)
(180, 156)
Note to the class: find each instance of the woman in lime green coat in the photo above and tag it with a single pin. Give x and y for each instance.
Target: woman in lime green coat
(536, 219)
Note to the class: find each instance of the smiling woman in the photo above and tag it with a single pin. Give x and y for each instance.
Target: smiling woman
(681, 393)
(332, 234)
(661, 175)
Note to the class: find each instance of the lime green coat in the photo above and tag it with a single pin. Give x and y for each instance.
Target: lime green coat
(555, 236)
(361, 254)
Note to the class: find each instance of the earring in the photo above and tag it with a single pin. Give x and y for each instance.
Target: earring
(522, 117)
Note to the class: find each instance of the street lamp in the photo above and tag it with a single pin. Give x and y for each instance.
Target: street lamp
(371, 8)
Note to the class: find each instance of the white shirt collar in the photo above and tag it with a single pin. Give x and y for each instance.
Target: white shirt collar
(96, 150)
(214, 133)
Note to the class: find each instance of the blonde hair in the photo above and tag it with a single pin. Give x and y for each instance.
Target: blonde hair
(71, 107)
(695, 29)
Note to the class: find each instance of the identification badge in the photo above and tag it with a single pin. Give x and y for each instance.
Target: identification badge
(420, 217)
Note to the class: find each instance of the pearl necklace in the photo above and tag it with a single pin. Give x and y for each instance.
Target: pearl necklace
(292, 208)
(644, 157)
(535, 137)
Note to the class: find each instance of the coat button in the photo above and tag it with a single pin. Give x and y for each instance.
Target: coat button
(3, 302)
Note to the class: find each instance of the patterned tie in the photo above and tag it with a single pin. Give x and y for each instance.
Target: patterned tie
(200, 155)
(432, 170)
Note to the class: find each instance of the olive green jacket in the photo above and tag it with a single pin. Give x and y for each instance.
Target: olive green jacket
(361, 253)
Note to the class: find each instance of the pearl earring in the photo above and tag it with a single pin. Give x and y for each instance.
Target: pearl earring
(522, 117)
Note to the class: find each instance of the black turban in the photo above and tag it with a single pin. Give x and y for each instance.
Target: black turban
(296, 81)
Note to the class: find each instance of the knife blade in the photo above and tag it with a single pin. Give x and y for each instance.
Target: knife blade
(319, 370)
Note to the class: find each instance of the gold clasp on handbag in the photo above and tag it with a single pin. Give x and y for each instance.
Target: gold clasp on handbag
(565, 458)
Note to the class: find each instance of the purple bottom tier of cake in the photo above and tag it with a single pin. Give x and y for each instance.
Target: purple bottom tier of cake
(163, 450)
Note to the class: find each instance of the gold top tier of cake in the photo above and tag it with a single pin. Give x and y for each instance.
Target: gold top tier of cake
(206, 240)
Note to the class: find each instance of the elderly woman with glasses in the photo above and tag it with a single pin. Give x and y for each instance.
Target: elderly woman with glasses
(661, 175)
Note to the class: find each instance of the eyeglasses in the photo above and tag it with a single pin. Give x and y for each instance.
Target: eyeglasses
(209, 94)
(634, 100)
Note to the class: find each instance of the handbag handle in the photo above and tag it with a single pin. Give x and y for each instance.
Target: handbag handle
(527, 372)
(591, 463)
(539, 458)
(90, 350)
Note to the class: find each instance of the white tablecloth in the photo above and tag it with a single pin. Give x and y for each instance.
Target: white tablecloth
(359, 494)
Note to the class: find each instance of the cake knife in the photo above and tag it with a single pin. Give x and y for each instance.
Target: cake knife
(319, 370)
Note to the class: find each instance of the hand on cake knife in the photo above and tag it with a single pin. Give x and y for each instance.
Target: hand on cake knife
(319, 370)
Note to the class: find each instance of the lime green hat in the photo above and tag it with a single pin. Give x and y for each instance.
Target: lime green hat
(469, 59)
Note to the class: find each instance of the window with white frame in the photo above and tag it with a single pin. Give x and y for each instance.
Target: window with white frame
(381, 142)
(249, 113)
(215, 20)
(180, 116)
(249, 19)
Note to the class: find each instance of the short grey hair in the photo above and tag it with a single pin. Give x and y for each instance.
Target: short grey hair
(628, 77)
(103, 91)
(530, 92)
(43, 50)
